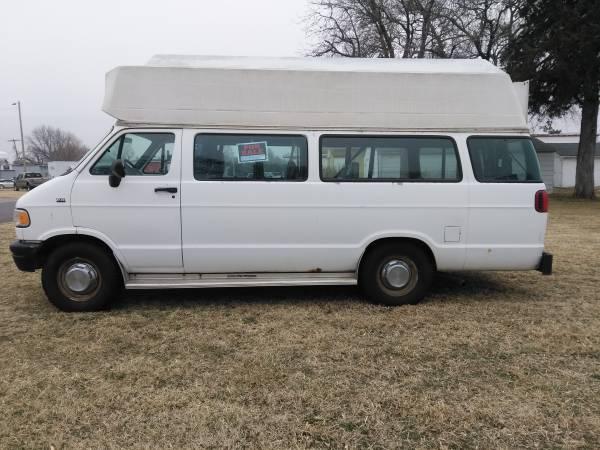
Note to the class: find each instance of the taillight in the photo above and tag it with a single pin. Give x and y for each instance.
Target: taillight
(541, 201)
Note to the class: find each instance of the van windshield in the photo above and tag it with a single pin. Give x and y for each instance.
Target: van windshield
(498, 159)
(76, 164)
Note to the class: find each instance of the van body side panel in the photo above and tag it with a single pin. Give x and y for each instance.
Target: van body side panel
(267, 226)
(143, 224)
(505, 230)
(49, 209)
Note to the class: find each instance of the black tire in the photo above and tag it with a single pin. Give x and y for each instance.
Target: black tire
(107, 285)
(414, 262)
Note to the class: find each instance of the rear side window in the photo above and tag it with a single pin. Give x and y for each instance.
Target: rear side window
(504, 160)
(387, 158)
(250, 157)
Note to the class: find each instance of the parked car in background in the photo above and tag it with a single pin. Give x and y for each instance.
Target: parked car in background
(7, 184)
(29, 180)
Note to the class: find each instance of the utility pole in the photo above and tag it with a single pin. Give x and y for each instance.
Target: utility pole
(18, 105)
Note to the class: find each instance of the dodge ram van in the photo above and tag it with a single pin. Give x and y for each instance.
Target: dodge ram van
(272, 172)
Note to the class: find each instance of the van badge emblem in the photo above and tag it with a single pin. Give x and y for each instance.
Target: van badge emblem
(61, 200)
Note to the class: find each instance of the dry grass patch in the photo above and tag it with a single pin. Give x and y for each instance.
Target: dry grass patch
(505, 360)
(9, 193)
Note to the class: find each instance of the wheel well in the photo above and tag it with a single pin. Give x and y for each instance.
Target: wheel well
(398, 240)
(50, 244)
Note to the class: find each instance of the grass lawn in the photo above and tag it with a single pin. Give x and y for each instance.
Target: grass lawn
(504, 360)
(9, 193)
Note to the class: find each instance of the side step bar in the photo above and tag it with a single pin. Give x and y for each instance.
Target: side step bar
(195, 280)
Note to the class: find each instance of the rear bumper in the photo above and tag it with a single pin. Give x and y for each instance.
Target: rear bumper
(545, 265)
(26, 255)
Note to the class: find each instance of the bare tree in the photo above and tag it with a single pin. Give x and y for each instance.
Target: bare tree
(414, 28)
(351, 28)
(485, 27)
(53, 144)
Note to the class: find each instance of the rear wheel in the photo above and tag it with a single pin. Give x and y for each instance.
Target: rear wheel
(81, 277)
(396, 274)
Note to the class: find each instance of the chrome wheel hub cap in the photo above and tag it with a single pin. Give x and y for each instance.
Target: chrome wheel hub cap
(81, 277)
(396, 274)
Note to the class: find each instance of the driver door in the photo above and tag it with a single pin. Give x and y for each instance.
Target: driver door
(140, 217)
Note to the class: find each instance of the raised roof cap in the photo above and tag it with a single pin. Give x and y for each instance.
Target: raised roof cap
(315, 93)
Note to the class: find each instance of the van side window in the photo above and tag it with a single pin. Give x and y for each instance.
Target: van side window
(142, 154)
(247, 157)
(498, 159)
(389, 158)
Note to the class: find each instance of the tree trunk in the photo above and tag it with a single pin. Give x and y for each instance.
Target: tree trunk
(584, 173)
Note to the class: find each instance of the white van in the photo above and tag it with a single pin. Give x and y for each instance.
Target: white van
(272, 172)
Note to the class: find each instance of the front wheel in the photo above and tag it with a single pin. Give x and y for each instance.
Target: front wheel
(81, 277)
(396, 274)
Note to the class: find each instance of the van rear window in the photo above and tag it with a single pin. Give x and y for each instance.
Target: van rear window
(504, 159)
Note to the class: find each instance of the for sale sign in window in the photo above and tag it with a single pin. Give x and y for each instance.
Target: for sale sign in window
(252, 152)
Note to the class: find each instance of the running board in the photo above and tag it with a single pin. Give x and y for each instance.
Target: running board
(195, 280)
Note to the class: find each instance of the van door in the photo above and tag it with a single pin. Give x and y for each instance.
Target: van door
(505, 230)
(243, 202)
(140, 217)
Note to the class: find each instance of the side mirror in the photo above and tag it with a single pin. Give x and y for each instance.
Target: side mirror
(117, 172)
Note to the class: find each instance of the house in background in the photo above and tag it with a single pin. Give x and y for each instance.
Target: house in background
(558, 158)
(6, 173)
(18, 168)
(51, 170)
(57, 168)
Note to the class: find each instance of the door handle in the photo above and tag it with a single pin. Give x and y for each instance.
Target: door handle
(170, 190)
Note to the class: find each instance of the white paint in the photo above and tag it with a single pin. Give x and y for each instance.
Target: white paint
(221, 227)
(143, 224)
(522, 90)
(372, 65)
(303, 226)
(316, 93)
(568, 169)
(452, 234)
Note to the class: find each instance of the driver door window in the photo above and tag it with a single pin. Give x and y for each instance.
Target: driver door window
(141, 153)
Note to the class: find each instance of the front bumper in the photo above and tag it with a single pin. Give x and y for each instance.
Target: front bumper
(26, 255)
(545, 265)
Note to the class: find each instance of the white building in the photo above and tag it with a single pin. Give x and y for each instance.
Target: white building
(558, 159)
(57, 168)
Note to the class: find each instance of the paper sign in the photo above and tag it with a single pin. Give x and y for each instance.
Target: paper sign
(252, 152)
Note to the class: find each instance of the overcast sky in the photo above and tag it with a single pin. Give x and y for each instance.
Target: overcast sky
(54, 53)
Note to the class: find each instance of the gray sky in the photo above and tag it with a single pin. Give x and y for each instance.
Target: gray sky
(54, 54)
